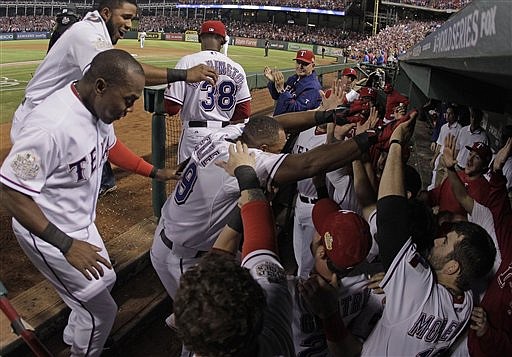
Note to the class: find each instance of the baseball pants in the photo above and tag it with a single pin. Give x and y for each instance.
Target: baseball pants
(93, 310)
(303, 231)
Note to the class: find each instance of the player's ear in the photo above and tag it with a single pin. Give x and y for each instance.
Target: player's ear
(100, 85)
(451, 267)
(106, 13)
(263, 147)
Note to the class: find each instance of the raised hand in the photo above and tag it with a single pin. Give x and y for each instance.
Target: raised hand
(85, 258)
(479, 321)
(267, 72)
(239, 155)
(336, 97)
(369, 123)
(167, 174)
(200, 73)
(502, 155)
(448, 157)
(403, 132)
(278, 80)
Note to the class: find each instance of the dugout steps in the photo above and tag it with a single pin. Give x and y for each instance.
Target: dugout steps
(137, 292)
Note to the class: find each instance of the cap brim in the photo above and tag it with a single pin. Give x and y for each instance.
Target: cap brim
(302, 59)
(321, 210)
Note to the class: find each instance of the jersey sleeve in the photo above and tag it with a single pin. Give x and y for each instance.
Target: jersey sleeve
(86, 47)
(267, 165)
(176, 91)
(31, 160)
(243, 94)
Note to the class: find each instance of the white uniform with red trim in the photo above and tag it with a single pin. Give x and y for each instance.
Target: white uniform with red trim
(303, 228)
(197, 210)
(202, 102)
(57, 161)
(67, 61)
(275, 337)
(420, 318)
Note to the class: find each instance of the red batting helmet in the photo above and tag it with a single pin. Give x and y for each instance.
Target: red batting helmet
(368, 92)
(345, 234)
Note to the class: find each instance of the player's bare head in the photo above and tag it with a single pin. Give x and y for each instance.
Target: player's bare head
(113, 4)
(264, 133)
(112, 84)
(219, 307)
(118, 15)
(116, 67)
(474, 253)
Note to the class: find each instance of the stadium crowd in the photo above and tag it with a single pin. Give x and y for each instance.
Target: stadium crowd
(26, 23)
(435, 4)
(306, 4)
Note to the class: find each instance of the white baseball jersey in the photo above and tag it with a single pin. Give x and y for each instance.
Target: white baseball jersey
(359, 308)
(344, 193)
(303, 228)
(142, 38)
(196, 211)
(57, 161)
(67, 61)
(226, 45)
(275, 338)
(205, 102)
(421, 317)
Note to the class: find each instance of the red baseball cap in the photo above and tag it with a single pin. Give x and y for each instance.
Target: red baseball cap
(368, 92)
(345, 234)
(349, 72)
(481, 150)
(213, 26)
(305, 56)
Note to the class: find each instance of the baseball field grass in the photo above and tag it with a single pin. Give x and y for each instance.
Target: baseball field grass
(19, 60)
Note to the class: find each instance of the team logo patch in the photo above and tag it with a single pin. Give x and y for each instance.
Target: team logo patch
(100, 44)
(273, 272)
(328, 240)
(25, 165)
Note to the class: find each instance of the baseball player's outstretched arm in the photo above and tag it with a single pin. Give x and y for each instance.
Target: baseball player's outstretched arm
(392, 222)
(82, 255)
(201, 72)
(258, 223)
(449, 159)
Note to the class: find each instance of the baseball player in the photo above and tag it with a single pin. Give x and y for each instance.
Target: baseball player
(142, 38)
(204, 107)
(226, 45)
(197, 210)
(303, 229)
(340, 249)
(428, 302)
(248, 307)
(71, 55)
(50, 181)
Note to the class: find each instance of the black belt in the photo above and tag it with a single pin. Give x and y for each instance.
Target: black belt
(204, 124)
(308, 199)
(170, 244)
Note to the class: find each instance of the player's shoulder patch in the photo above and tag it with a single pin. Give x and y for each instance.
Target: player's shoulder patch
(417, 260)
(273, 272)
(26, 165)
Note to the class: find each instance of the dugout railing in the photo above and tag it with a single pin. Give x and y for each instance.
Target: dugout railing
(166, 129)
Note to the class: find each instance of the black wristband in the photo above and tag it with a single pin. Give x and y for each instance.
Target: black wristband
(395, 141)
(323, 117)
(235, 220)
(176, 75)
(362, 141)
(246, 177)
(57, 238)
(153, 172)
(452, 168)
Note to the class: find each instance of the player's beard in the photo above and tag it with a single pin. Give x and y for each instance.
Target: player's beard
(112, 31)
(437, 262)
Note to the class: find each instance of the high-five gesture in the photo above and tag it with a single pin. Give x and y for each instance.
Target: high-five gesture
(449, 157)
